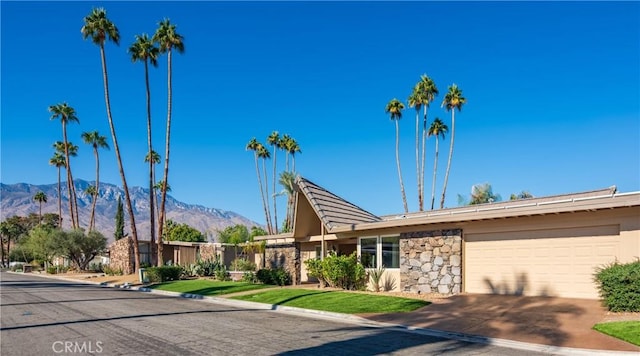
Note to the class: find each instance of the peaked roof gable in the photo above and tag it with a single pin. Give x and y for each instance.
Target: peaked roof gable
(332, 210)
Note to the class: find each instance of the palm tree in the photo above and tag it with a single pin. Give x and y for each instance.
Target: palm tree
(67, 114)
(276, 142)
(58, 161)
(416, 100)
(285, 142)
(452, 100)
(92, 192)
(100, 29)
(96, 141)
(263, 153)
(437, 129)
(482, 194)
(40, 197)
(154, 158)
(292, 148)
(429, 90)
(394, 108)
(287, 181)
(144, 50)
(254, 146)
(168, 39)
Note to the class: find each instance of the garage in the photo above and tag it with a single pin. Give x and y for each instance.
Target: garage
(550, 262)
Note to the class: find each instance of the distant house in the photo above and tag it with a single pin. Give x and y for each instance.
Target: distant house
(546, 246)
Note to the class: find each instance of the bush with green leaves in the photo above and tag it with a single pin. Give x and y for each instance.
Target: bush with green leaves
(249, 277)
(314, 269)
(222, 274)
(619, 286)
(57, 269)
(275, 276)
(208, 267)
(344, 272)
(112, 271)
(243, 264)
(164, 273)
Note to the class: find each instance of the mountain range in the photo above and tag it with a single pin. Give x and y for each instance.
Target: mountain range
(17, 199)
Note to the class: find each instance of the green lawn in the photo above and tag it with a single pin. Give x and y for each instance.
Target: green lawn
(335, 301)
(206, 287)
(628, 331)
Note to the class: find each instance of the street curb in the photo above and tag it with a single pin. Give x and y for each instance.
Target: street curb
(352, 319)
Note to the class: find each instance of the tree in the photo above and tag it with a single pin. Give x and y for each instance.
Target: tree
(81, 248)
(429, 90)
(234, 235)
(482, 194)
(168, 40)
(67, 114)
(452, 100)
(144, 50)
(287, 181)
(45, 243)
(12, 228)
(119, 224)
(92, 192)
(437, 129)
(182, 232)
(99, 28)
(522, 195)
(292, 147)
(255, 146)
(154, 158)
(96, 141)
(264, 154)
(158, 188)
(275, 141)
(58, 161)
(416, 100)
(394, 109)
(40, 197)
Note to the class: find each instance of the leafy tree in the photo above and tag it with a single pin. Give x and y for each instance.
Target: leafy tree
(45, 243)
(99, 28)
(119, 225)
(255, 147)
(96, 141)
(67, 114)
(182, 232)
(58, 161)
(452, 100)
(168, 40)
(394, 109)
(235, 235)
(12, 228)
(81, 249)
(275, 141)
(40, 197)
(522, 195)
(256, 231)
(437, 129)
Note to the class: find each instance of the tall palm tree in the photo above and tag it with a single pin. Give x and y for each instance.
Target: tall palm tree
(292, 148)
(254, 146)
(437, 129)
(67, 114)
(157, 188)
(40, 197)
(416, 100)
(287, 181)
(394, 109)
(96, 141)
(276, 142)
(264, 154)
(452, 100)
(92, 192)
(58, 161)
(154, 158)
(285, 142)
(100, 29)
(144, 50)
(168, 40)
(429, 93)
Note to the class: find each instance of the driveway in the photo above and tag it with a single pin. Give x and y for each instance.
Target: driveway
(540, 320)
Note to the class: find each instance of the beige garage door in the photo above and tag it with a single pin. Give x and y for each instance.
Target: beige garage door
(557, 262)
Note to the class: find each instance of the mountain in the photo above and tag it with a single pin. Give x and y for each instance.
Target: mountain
(17, 199)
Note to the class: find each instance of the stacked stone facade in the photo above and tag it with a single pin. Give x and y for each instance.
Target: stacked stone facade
(286, 256)
(210, 251)
(121, 255)
(431, 261)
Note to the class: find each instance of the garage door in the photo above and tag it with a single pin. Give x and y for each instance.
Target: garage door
(557, 262)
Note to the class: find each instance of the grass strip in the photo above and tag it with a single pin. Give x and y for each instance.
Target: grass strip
(206, 287)
(628, 331)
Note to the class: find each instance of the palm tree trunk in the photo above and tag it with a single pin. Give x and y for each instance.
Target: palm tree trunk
(433, 184)
(59, 201)
(68, 170)
(266, 192)
(264, 202)
(40, 212)
(152, 218)
(424, 152)
(404, 197)
(275, 209)
(75, 199)
(293, 161)
(166, 161)
(132, 220)
(95, 197)
(420, 199)
(446, 176)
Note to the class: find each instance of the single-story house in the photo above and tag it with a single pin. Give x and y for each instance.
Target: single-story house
(547, 246)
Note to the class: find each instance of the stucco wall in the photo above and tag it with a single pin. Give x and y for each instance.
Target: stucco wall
(286, 256)
(431, 261)
(121, 255)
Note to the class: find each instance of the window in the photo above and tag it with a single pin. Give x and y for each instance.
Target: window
(376, 252)
(319, 252)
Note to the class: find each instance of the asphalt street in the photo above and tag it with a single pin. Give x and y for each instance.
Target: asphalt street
(41, 316)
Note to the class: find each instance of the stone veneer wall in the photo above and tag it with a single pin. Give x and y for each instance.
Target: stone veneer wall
(121, 255)
(431, 261)
(210, 251)
(286, 256)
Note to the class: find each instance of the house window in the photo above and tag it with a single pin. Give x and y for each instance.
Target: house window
(319, 252)
(378, 251)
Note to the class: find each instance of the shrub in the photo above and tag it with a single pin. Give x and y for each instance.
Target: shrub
(52, 270)
(164, 273)
(112, 271)
(314, 269)
(249, 277)
(276, 276)
(242, 264)
(618, 285)
(207, 268)
(222, 274)
(344, 272)
(95, 267)
(376, 278)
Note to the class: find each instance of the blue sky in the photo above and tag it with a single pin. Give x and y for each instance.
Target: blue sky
(552, 88)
